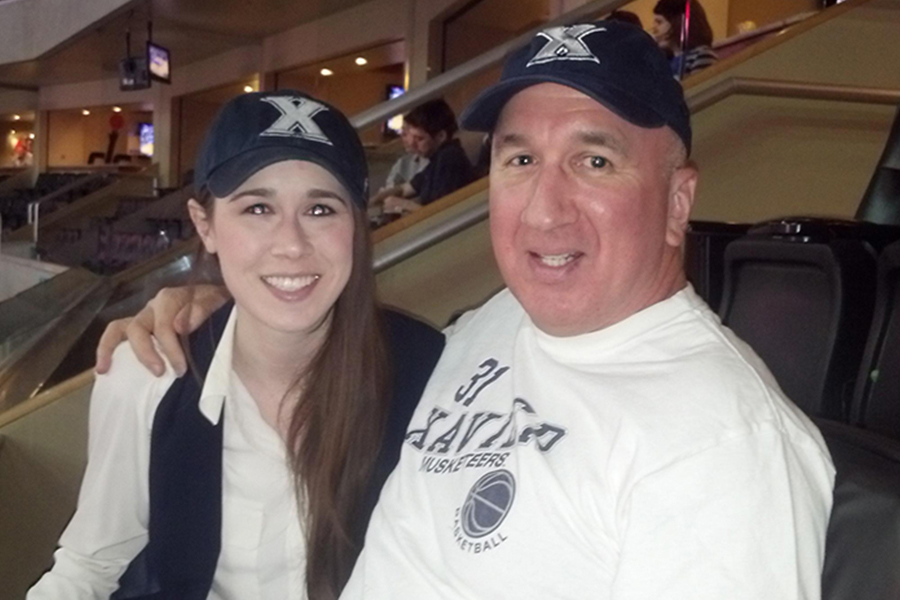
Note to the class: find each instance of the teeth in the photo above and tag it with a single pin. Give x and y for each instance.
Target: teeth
(556, 260)
(290, 284)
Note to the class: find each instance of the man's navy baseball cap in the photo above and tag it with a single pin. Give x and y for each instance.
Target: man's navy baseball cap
(615, 63)
(260, 129)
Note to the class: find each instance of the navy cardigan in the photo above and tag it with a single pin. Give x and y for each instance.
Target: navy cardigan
(185, 478)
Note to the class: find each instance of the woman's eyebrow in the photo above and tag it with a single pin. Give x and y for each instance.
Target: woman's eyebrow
(323, 194)
(258, 192)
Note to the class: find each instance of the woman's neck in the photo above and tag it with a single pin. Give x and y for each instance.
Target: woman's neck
(269, 363)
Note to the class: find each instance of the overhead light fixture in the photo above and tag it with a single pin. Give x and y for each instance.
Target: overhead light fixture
(326, 72)
(117, 109)
(361, 61)
(30, 136)
(16, 117)
(85, 112)
(248, 89)
(12, 132)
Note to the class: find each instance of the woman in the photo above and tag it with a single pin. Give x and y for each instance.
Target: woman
(186, 490)
(698, 54)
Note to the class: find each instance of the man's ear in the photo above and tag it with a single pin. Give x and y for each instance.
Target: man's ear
(682, 187)
(441, 137)
(203, 225)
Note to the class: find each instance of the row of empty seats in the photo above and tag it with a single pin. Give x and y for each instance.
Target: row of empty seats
(14, 205)
(820, 303)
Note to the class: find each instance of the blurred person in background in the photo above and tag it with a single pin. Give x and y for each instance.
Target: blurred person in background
(697, 53)
(408, 165)
(432, 135)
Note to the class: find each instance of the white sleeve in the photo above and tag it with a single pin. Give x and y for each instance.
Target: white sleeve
(745, 519)
(109, 527)
(394, 177)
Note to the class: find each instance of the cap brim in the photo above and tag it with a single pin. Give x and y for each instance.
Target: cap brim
(483, 112)
(228, 176)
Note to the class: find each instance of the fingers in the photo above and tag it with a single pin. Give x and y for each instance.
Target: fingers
(172, 311)
(165, 307)
(140, 336)
(113, 335)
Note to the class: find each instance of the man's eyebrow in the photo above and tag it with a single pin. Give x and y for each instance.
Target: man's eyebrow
(599, 138)
(261, 192)
(508, 139)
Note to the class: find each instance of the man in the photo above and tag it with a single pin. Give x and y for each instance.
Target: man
(431, 129)
(594, 432)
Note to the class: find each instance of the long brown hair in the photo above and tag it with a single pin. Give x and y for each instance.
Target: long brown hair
(340, 405)
(700, 32)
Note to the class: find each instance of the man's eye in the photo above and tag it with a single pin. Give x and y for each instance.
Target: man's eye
(597, 162)
(257, 209)
(522, 160)
(321, 210)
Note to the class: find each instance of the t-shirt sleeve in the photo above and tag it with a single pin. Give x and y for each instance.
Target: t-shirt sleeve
(109, 527)
(745, 519)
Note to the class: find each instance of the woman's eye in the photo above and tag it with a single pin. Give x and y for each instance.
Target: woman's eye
(321, 210)
(257, 209)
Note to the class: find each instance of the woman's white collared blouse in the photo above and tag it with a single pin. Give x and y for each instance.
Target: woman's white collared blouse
(263, 552)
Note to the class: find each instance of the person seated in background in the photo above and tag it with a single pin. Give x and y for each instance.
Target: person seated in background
(432, 130)
(697, 53)
(408, 165)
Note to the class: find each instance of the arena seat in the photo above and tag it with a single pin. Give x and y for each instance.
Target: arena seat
(876, 399)
(862, 549)
(804, 304)
(881, 200)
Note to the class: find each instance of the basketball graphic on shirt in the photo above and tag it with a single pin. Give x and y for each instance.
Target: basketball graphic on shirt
(488, 503)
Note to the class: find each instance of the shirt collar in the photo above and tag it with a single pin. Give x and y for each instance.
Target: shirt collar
(584, 348)
(217, 384)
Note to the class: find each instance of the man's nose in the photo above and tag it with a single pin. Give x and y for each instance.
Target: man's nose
(551, 204)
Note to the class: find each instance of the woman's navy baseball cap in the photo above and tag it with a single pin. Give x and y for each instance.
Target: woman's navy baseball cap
(260, 129)
(615, 63)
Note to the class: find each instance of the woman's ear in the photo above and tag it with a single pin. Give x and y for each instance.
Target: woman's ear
(203, 224)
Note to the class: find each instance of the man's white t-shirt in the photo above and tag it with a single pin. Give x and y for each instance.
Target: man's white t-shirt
(653, 459)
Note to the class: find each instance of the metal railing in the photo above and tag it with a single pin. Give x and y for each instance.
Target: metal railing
(441, 83)
(798, 90)
(34, 208)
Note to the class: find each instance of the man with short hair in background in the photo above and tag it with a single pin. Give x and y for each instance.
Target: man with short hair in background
(594, 431)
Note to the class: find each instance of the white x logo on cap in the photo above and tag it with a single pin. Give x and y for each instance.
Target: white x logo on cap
(296, 119)
(565, 43)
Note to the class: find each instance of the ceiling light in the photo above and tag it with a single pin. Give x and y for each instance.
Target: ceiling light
(30, 136)
(12, 132)
(16, 117)
(117, 109)
(326, 72)
(361, 61)
(85, 112)
(248, 89)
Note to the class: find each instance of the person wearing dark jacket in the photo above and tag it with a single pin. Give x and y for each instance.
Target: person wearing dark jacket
(432, 130)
